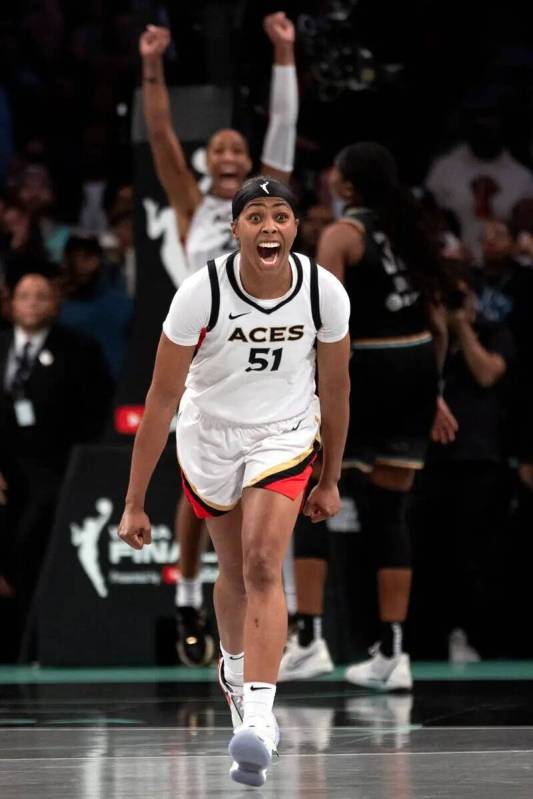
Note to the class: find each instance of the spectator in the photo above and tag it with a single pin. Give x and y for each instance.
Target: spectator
(120, 251)
(54, 392)
(21, 249)
(522, 229)
(37, 195)
(461, 494)
(93, 305)
(505, 295)
(479, 179)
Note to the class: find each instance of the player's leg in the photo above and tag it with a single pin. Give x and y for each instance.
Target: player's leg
(388, 490)
(306, 654)
(268, 522)
(229, 598)
(194, 642)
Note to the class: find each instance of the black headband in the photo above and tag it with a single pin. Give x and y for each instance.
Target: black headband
(261, 187)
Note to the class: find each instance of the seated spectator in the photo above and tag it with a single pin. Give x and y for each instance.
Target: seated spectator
(120, 251)
(55, 391)
(36, 194)
(479, 179)
(21, 245)
(92, 304)
(461, 494)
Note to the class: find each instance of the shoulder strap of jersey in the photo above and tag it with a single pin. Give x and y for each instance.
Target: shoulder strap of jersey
(315, 294)
(215, 294)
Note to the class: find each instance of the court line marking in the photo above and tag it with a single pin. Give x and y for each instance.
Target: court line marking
(196, 730)
(175, 755)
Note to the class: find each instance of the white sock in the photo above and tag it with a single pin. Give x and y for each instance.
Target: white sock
(189, 593)
(233, 667)
(258, 700)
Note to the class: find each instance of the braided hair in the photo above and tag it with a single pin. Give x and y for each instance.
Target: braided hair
(371, 170)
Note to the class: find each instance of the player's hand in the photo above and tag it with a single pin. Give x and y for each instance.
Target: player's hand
(134, 528)
(279, 29)
(445, 425)
(525, 472)
(322, 503)
(154, 41)
(3, 490)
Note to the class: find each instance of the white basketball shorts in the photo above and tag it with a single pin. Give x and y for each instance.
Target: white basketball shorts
(219, 460)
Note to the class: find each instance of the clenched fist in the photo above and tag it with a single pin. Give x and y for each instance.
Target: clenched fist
(154, 41)
(322, 503)
(279, 29)
(134, 528)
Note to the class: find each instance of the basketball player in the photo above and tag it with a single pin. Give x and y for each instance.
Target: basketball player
(238, 353)
(392, 276)
(204, 223)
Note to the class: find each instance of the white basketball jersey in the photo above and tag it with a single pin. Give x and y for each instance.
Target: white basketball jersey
(209, 233)
(255, 359)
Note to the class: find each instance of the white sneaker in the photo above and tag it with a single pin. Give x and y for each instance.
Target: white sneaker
(459, 650)
(234, 697)
(386, 716)
(303, 662)
(382, 673)
(252, 748)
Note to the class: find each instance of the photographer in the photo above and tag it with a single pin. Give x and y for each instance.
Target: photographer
(462, 494)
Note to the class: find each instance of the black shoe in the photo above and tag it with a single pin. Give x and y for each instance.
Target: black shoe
(194, 641)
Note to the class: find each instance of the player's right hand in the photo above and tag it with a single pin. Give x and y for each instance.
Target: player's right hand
(154, 41)
(134, 528)
(445, 425)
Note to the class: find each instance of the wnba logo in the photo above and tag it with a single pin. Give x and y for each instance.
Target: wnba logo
(85, 537)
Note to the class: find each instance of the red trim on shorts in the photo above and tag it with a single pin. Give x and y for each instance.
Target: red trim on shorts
(199, 511)
(293, 486)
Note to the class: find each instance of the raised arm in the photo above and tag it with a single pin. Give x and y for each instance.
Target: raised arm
(277, 158)
(168, 381)
(171, 165)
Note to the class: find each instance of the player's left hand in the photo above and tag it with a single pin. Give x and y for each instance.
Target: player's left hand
(323, 502)
(279, 29)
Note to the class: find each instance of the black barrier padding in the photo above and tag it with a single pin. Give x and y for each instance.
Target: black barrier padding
(101, 603)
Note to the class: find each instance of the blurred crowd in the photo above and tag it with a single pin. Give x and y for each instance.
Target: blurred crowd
(67, 267)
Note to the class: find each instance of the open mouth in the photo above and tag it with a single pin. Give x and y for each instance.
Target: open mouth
(228, 176)
(269, 252)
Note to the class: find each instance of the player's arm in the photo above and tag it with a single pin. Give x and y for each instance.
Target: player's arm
(334, 392)
(340, 244)
(168, 382)
(171, 165)
(486, 367)
(277, 158)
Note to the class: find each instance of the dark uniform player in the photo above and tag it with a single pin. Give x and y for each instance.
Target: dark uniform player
(387, 265)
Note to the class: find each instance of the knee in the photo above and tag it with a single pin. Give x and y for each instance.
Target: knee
(262, 570)
(389, 529)
(233, 578)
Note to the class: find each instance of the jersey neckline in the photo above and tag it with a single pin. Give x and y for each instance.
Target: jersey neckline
(247, 298)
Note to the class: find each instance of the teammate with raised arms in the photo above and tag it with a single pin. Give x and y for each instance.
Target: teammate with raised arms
(204, 224)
